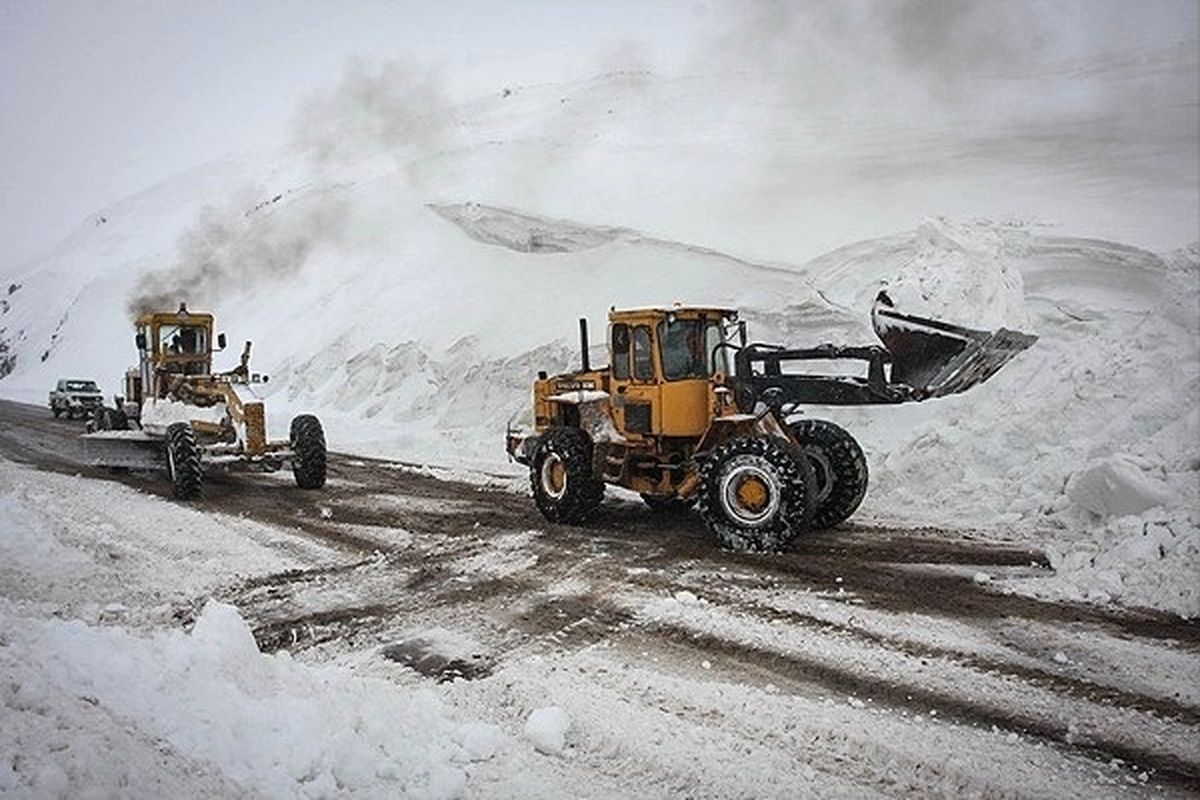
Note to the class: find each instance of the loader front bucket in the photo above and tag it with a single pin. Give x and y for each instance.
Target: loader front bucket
(937, 358)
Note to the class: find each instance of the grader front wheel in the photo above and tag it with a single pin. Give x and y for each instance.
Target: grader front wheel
(308, 452)
(183, 462)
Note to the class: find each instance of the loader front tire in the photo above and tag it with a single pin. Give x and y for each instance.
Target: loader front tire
(840, 468)
(308, 452)
(183, 462)
(560, 475)
(756, 494)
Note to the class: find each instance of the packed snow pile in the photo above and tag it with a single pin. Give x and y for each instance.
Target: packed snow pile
(270, 725)
(1149, 560)
(1097, 421)
(963, 273)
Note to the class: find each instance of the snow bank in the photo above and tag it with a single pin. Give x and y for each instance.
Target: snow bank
(1151, 560)
(963, 273)
(270, 725)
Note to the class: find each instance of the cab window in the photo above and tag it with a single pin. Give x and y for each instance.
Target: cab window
(643, 358)
(620, 352)
(182, 340)
(687, 346)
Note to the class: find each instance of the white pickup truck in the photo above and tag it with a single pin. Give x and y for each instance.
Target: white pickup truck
(75, 397)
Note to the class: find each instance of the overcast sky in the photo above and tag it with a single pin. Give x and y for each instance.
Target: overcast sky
(100, 98)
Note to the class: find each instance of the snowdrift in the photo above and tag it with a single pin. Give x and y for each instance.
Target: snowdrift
(209, 695)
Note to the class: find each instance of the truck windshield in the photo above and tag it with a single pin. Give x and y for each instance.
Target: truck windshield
(182, 340)
(81, 386)
(687, 348)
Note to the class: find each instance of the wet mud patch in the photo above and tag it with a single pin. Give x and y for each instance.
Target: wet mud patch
(425, 656)
(570, 620)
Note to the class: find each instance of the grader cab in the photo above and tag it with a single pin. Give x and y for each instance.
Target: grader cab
(688, 412)
(179, 414)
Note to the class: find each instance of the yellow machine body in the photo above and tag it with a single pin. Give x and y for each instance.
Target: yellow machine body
(661, 397)
(175, 364)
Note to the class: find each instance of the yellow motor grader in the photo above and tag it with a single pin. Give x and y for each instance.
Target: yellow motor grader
(178, 414)
(688, 412)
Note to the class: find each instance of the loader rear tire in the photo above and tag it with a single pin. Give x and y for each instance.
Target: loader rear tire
(560, 475)
(756, 494)
(183, 462)
(308, 449)
(840, 468)
(56, 411)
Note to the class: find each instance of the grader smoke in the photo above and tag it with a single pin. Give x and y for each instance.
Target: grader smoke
(178, 414)
(688, 412)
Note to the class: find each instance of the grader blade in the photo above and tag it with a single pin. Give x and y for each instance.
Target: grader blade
(937, 358)
(123, 449)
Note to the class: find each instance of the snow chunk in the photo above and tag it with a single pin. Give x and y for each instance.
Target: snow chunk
(1115, 486)
(547, 729)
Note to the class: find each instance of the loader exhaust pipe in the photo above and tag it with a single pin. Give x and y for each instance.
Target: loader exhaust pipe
(583, 344)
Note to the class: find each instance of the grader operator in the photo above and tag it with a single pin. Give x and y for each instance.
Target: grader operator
(688, 412)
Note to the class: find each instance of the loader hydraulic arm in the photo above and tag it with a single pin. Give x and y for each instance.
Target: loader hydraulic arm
(760, 376)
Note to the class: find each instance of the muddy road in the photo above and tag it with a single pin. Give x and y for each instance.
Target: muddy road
(889, 620)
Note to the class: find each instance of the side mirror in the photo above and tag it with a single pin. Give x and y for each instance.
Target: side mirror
(220, 341)
(140, 341)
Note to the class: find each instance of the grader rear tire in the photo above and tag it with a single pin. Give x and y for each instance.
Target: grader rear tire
(756, 494)
(560, 475)
(309, 455)
(840, 468)
(183, 462)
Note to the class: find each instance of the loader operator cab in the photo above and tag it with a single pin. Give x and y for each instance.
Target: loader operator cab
(665, 365)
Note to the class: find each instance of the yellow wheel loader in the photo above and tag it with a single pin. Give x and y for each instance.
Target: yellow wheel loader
(180, 416)
(688, 412)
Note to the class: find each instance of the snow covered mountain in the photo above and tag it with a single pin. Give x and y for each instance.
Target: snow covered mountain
(406, 264)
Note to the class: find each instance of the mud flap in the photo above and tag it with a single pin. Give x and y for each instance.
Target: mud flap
(937, 358)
